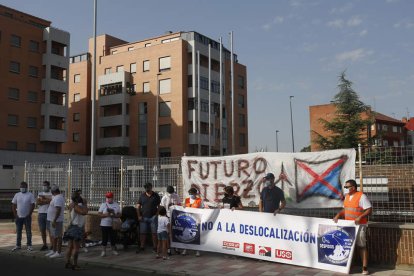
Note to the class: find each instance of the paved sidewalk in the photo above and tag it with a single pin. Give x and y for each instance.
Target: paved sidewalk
(207, 264)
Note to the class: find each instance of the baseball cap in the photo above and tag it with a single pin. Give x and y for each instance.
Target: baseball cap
(78, 191)
(269, 176)
(109, 195)
(54, 188)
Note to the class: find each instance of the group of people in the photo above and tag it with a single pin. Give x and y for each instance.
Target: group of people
(154, 215)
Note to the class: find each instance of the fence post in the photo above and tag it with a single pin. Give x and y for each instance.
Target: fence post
(121, 198)
(69, 181)
(25, 171)
(361, 186)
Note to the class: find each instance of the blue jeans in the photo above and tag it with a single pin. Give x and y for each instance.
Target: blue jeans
(27, 222)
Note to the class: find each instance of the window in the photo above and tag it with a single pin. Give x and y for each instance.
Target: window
(133, 67)
(114, 52)
(146, 87)
(385, 127)
(395, 144)
(76, 97)
(32, 96)
(394, 129)
(33, 46)
(14, 67)
(33, 71)
(165, 131)
(76, 78)
(165, 86)
(165, 109)
(146, 66)
(241, 101)
(120, 68)
(130, 48)
(15, 41)
(75, 137)
(147, 44)
(76, 117)
(107, 71)
(11, 145)
(242, 120)
(190, 81)
(14, 93)
(165, 152)
(240, 82)
(242, 140)
(31, 147)
(165, 63)
(12, 120)
(31, 122)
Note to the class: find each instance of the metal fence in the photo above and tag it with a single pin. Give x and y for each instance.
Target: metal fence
(387, 173)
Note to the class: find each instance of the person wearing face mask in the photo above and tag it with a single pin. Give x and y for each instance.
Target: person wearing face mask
(272, 198)
(108, 211)
(43, 199)
(55, 217)
(193, 201)
(23, 204)
(357, 207)
(147, 209)
(169, 200)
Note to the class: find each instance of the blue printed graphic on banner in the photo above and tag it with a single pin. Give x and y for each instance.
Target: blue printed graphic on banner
(185, 227)
(335, 244)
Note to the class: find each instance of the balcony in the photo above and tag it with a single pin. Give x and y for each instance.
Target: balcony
(113, 142)
(113, 120)
(53, 110)
(55, 60)
(192, 139)
(53, 135)
(54, 85)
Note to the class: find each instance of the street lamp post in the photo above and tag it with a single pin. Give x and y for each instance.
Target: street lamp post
(157, 103)
(277, 142)
(291, 123)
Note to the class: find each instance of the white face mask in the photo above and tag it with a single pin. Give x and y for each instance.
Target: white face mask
(267, 183)
(45, 189)
(23, 190)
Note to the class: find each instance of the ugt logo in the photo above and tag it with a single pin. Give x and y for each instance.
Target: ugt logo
(283, 254)
(249, 248)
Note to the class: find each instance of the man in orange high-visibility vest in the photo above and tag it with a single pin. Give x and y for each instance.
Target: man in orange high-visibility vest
(357, 207)
(193, 201)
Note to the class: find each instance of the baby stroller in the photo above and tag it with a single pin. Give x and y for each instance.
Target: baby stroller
(129, 233)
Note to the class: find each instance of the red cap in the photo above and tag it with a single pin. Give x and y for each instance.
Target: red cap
(109, 195)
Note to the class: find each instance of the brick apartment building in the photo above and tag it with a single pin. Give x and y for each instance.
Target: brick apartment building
(34, 62)
(385, 131)
(138, 80)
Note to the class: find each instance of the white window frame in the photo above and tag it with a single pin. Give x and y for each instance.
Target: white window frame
(165, 86)
(146, 87)
(164, 63)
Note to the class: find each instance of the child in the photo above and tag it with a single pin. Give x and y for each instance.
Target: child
(162, 233)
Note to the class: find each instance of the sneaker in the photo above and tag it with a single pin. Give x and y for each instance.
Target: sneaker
(154, 250)
(157, 256)
(184, 252)
(115, 253)
(29, 248)
(169, 252)
(165, 258)
(51, 252)
(365, 271)
(103, 254)
(44, 248)
(16, 248)
(198, 254)
(85, 250)
(139, 250)
(56, 255)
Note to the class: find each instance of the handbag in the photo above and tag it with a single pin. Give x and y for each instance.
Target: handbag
(116, 224)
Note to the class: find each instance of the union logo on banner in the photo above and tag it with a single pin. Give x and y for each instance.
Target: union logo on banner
(322, 178)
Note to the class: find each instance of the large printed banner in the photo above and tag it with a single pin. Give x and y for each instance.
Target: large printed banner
(309, 179)
(304, 241)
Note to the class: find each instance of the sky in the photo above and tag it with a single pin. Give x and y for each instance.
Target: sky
(291, 48)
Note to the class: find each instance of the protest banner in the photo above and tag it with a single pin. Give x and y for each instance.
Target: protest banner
(308, 179)
(296, 240)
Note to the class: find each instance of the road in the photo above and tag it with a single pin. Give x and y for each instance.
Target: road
(23, 265)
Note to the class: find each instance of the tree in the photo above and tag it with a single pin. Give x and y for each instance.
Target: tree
(347, 125)
(306, 149)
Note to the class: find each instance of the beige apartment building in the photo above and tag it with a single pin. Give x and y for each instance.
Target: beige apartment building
(34, 62)
(154, 98)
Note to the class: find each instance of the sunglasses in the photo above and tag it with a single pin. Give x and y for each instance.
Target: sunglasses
(347, 187)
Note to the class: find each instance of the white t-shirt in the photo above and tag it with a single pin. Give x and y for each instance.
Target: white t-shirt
(170, 200)
(364, 202)
(43, 208)
(76, 218)
(162, 224)
(57, 201)
(104, 210)
(24, 203)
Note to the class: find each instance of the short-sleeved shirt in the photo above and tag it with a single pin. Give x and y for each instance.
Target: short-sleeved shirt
(43, 208)
(170, 200)
(149, 204)
(162, 224)
(24, 202)
(104, 210)
(233, 201)
(57, 201)
(364, 202)
(271, 199)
